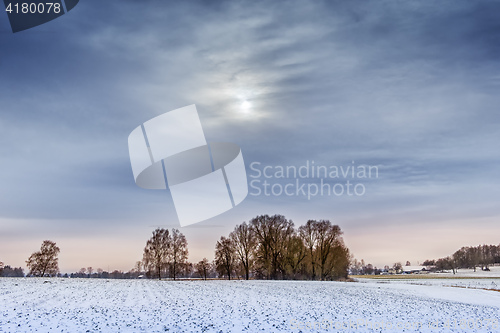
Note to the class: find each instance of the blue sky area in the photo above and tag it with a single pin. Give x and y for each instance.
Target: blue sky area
(410, 87)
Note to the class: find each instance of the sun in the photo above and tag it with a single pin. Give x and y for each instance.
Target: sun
(246, 106)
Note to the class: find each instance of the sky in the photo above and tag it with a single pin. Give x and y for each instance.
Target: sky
(410, 88)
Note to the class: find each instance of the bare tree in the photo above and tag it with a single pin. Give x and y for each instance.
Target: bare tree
(356, 267)
(429, 262)
(327, 239)
(243, 240)
(225, 256)
(203, 268)
(179, 252)
(340, 258)
(45, 261)
(157, 252)
(473, 257)
(326, 251)
(138, 266)
(295, 253)
(271, 233)
(188, 269)
(308, 234)
(453, 262)
(486, 256)
(398, 267)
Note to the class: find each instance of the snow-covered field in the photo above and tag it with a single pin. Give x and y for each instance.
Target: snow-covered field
(463, 278)
(494, 271)
(444, 282)
(92, 305)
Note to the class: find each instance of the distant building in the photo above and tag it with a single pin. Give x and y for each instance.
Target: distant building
(414, 270)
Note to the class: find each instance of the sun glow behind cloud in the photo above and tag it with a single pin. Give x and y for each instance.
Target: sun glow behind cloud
(246, 107)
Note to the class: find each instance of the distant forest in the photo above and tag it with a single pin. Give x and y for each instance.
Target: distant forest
(481, 256)
(267, 247)
(467, 257)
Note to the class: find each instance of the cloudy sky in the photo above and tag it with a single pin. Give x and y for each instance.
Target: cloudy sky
(409, 87)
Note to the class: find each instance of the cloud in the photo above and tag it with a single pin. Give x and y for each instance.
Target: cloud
(409, 87)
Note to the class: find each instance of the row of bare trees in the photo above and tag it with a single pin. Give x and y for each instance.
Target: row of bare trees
(8, 271)
(165, 254)
(472, 257)
(269, 247)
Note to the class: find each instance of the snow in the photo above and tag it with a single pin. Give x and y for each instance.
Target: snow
(494, 271)
(444, 282)
(412, 268)
(94, 305)
(459, 290)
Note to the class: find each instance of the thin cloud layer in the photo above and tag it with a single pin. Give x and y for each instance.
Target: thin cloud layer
(408, 87)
